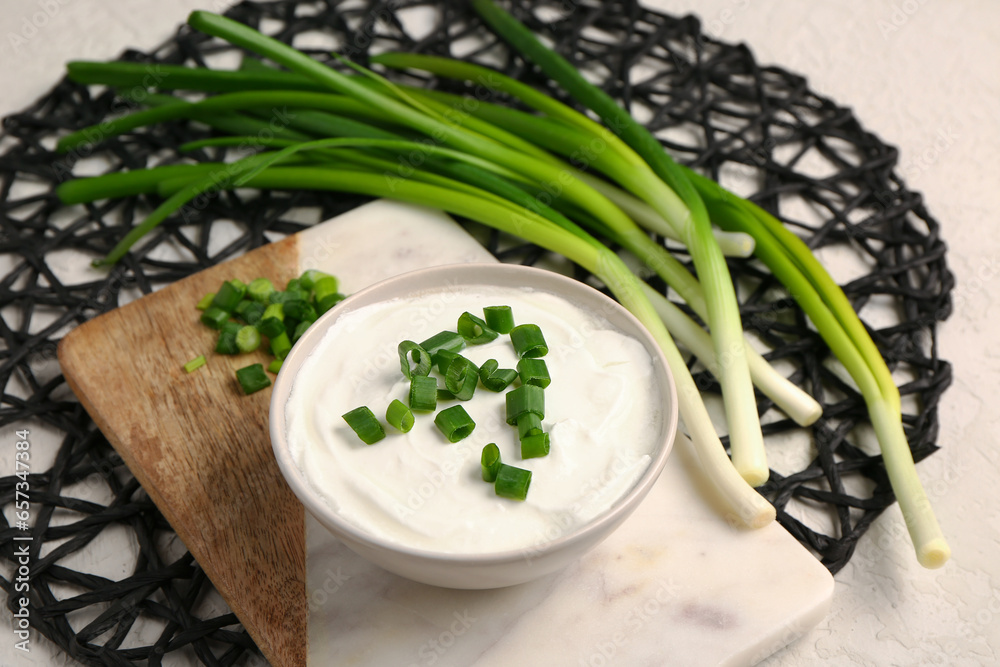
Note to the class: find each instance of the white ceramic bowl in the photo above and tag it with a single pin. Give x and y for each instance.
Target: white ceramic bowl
(483, 570)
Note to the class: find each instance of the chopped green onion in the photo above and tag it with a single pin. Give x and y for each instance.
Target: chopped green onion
(448, 341)
(272, 327)
(229, 295)
(252, 378)
(365, 424)
(206, 301)
(277, 296)
(455, 423)
(489, 461)
(231, 327)
(293, 285)
(247, 339)
(534, 446)
(324, 287)
(489, 367)
(310, 277)
(533, 371)
(399, 416)
(423, 393)
(195, 363)
(461, 378)
(499, 318)
(214, 317)
(281, 345)
(442, 359)
(275, 365)
(226, 343)
(474, 329)
(495, 378)
(260, 290)
(241, 308)
(528, 424)
(274, 310)
(300, 310)
(252, 313)
(512, 482)
(328, 302)
(410, 350)
(300, 329)
(445, 395)
(524, 399)
(528, 341)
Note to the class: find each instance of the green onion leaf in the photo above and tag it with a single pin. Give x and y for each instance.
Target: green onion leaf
(275, 365)
(272, 327)
(363, 422)
(443, 358)
(533, 371)
(489, 461)
(247, 339)
(260, 290)
(195, 363)
(229, 295)
(206, 301)
(214, 317)
(534, 446)
(329, 301)
(226, 343)
(323, 287)
(423, 393)
(300, 329)
(461, 378)
(310, 277)
(455, 423)
(512, 482)
(252, 313)
(399, 416)
(281, 345)
(474, 329)
(499, 318)
(495, 378)
(448, 341)
(300, 310)
(528, 424)
(252, 378)
(410, 350)
(528, 341)
(524, 399)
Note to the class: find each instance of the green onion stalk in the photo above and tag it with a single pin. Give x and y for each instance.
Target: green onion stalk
(789, 259)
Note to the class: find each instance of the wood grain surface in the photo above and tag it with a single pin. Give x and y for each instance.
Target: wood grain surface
(199, 447)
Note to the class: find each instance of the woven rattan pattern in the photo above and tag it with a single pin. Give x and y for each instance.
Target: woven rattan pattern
(760, 129)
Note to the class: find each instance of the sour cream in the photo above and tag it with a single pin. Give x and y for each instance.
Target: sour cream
(417, 489)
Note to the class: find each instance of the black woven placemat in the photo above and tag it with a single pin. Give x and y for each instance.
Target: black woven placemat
(760, 129)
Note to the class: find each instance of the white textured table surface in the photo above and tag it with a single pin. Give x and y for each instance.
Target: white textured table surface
(921, 74)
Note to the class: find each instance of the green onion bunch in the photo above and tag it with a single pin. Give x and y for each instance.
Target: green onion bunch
(517, 172)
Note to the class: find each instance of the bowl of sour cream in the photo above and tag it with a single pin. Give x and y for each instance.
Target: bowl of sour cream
(415, 503)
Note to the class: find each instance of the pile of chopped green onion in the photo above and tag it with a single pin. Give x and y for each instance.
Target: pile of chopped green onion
(500, 167)
(461, 377)
(250, 315)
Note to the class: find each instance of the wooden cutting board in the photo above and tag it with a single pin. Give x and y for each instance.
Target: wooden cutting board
(201, 451)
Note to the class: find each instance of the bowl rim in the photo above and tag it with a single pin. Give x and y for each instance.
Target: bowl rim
(309, 497)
